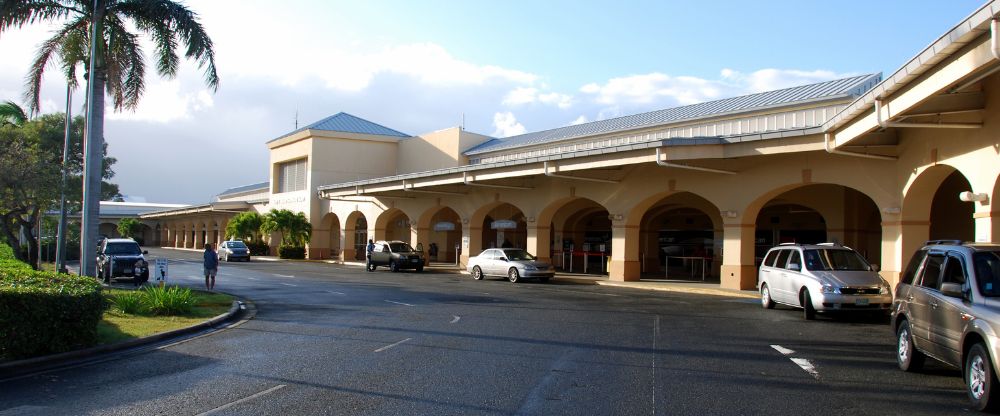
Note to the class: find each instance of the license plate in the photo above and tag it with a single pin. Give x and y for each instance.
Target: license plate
(414, 260)
(861, 302)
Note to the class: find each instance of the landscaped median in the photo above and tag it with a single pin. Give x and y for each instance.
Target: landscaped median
(45, 314)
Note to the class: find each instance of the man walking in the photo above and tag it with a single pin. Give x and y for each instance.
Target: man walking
(211, 266)
(368, 255)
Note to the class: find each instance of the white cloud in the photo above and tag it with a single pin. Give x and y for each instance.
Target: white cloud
(165, 101)
(529, 95)
(579, 120)
(773, 79)
(506, 125)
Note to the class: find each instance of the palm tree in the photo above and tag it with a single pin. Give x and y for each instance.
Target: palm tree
(12, 114)
(293, 228)
(245, 225)
(97, 34)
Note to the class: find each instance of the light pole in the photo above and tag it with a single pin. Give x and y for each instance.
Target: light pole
(61, 241)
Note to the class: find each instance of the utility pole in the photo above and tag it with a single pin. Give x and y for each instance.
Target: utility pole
(93, 150)
(61, 239)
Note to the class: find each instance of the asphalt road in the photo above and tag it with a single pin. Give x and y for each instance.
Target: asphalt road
(330, 339)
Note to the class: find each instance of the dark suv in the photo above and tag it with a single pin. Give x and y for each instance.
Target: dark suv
(397, 255)
(947, 307)
(118, 257)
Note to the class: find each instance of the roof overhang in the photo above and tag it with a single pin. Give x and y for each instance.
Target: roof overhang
(223, 207)
(312, 134)
(932, 88)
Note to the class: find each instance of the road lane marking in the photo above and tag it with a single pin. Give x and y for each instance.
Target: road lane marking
(288, 284)
(456, 318)
(335, 293)
(252, 278)
(782, 350)
(283, 275)
(399, 303)
(392, 345)
(245, 399)
(806, 365)
(803, 363)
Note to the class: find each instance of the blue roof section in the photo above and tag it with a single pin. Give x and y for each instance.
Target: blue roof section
(347, 123)
(244, 188)
(840, 88)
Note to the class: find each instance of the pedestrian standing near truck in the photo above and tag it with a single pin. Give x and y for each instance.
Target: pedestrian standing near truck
(368, 255)
(211, 267)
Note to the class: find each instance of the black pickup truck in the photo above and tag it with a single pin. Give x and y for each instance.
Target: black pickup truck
(396, 255)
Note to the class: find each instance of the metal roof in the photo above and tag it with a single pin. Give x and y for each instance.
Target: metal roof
(132, 209)
(245, 188)
(347, 123)
(829, 90)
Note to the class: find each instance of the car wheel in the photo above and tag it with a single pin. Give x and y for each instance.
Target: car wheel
(808, 311)
(980, 379)
(544, 279)
(393, 267)
(765, 297)
(513, 275)
(107, 274)
(477, 273)
(907, 356)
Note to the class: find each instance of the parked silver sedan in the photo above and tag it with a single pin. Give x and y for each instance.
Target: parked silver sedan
(512, 263)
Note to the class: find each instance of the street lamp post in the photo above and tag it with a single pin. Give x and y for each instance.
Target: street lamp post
(61, 243)
(92, 151)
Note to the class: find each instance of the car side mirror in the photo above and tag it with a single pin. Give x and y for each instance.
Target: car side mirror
(795, 267)
(875, 268)
(145, 252)
(952, 290)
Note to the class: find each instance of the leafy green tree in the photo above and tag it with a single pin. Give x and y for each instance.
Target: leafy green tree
(12, 114)
(119, 65)
(245, 226)
(293, 227)
(30, 162)
(127, 227)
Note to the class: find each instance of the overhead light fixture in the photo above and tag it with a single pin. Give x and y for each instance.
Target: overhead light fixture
(968, 196)
(728, 213)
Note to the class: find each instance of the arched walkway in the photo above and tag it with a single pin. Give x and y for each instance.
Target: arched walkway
(355, 236)
(679, 237)
(576, 233)
(439, 233)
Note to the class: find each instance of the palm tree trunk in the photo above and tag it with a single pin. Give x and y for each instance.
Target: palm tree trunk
(93, 148)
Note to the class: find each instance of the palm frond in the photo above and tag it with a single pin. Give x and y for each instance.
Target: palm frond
(17, 13)
(163, 17)
(124, 65)
(33, 83)
(11, 113)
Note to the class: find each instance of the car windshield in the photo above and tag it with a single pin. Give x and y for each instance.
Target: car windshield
(399, 247)
(987, 265)
(518, 255)
(835, 259)
(122, 248)
(237, 244)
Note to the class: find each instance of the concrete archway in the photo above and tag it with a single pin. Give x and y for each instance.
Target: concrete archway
(439, 232)
(355, 236)
(575, 234)
(394, 224)
(327, 237)
(931, 209)
(482, 232)
(679, 236)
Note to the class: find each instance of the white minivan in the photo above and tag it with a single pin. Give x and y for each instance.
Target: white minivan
(821, 278)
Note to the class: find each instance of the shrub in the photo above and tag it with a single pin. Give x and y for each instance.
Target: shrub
(291, 252)
(169, 300)
(258, 248)
(44, 312)
(130, 302)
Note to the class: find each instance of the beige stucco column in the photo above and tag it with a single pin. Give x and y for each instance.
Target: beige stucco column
(475, 241)
(540, 242)
(893, 257)
(625, 265)
(987, 224)
(738, 270)
(422, 238)
(169, 240)
(200, 235)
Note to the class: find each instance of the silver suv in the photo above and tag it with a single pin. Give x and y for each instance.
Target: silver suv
(948, 307)
(820, 278)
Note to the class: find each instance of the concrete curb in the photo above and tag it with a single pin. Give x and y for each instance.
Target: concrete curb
(36, 364)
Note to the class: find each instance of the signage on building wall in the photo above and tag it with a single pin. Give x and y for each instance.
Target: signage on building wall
(444, 226)
(289, 200)
(503, 224)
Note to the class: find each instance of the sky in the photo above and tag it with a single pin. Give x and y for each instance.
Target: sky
(501, 68)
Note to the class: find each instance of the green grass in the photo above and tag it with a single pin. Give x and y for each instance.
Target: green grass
(119, 326)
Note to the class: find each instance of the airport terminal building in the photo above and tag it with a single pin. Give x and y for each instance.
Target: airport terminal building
(880, 164)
